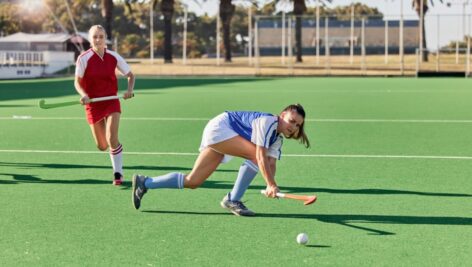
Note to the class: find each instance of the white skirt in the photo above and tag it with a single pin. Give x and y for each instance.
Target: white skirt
(216, 131)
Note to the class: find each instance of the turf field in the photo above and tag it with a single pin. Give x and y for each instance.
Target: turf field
(391, 163)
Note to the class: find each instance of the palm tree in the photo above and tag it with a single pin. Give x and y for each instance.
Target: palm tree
(226, 14)
(167, 9)
(416, 4)
(299, 8)
(107, 13)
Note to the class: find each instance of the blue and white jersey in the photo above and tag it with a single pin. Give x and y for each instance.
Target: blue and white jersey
(259, 128)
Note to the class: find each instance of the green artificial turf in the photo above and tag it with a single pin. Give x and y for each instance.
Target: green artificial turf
(391, 163)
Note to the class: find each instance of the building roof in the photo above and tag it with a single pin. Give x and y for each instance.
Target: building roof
(40, 37)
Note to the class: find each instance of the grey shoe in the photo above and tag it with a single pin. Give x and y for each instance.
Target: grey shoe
(236, 207)
(138, 190)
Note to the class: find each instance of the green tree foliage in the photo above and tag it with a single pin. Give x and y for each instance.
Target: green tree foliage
(16, 17)
(132, 44)
(344, 12)
(131, 24)
(9, 22)
(462, 43)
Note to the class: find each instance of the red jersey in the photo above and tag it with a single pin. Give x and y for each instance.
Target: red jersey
(98, 79)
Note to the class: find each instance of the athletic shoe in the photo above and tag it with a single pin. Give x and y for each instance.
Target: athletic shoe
(138, 190)
(236, 207)
(118, 180)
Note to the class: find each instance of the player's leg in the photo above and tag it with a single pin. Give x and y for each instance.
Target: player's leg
(239, 146)
(206, 163)
(99, 134)
(116, 149)
(247, 172)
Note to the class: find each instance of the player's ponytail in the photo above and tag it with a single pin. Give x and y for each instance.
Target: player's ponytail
(301, 135)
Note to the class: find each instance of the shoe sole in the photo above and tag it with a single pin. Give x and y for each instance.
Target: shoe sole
(224, 207)
(117, 182)
(234, 212)
(133, 190)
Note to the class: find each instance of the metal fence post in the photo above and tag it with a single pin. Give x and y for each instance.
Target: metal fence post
(283, 38)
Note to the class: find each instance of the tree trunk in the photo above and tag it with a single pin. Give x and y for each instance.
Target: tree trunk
(298, 38)
(424, 57)
(107, 13)
(167, 9)
(299, 8)
(417, 6)
(226, 14)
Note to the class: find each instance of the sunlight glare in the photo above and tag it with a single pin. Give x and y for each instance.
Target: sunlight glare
(32, 5)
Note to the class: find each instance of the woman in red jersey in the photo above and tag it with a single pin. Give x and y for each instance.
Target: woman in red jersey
(95, 77)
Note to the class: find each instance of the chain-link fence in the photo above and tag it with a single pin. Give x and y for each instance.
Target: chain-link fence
(344, 45)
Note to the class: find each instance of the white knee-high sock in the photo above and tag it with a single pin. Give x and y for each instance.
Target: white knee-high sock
(246, 174)
(170, 180)
(117, 159)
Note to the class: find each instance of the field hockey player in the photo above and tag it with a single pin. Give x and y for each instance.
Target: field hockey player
(95, 77)
(254, 136)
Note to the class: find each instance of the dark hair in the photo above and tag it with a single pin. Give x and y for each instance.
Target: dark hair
(301, 135)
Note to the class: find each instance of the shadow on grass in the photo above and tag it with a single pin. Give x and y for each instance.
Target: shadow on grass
(14, 106)
(317, 246)
(137, 168)
(371, 191)
(32, 179)
(45, 88)
(28, 178)
(311, 190)
(348, 219)
(212, 183)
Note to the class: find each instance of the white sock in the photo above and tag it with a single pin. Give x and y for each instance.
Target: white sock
(117, 159)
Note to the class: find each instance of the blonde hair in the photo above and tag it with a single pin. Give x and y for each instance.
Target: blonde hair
(96, 27)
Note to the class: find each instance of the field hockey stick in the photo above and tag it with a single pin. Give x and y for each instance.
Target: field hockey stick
(307, 199)
(44, 105)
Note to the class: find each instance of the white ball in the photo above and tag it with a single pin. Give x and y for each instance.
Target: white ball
(302, 239)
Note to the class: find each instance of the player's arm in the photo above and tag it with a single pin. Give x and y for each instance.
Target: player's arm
(84, 99)
(131, 78)
(273, 165)
(266, 165)
(125, 70)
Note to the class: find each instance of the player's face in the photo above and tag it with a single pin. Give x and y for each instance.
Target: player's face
(97, 37)
(290, 123)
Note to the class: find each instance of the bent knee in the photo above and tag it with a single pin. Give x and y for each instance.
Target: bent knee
(113, 142)
(190, 184)
(193, 185)
(102, 147)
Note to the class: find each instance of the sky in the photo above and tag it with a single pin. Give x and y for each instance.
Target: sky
(440, 32)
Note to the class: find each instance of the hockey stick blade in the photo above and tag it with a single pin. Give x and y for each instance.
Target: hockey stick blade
(44, 105)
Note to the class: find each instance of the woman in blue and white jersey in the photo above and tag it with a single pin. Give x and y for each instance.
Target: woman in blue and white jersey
(254, 136)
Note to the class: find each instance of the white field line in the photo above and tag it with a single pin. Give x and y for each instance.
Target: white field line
(16, 117)
(284, 155)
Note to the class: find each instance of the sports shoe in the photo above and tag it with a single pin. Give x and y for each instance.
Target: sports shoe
(138, 190)
(236, 207)
(118, 180)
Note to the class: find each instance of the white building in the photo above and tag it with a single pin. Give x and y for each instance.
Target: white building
(24, 55)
